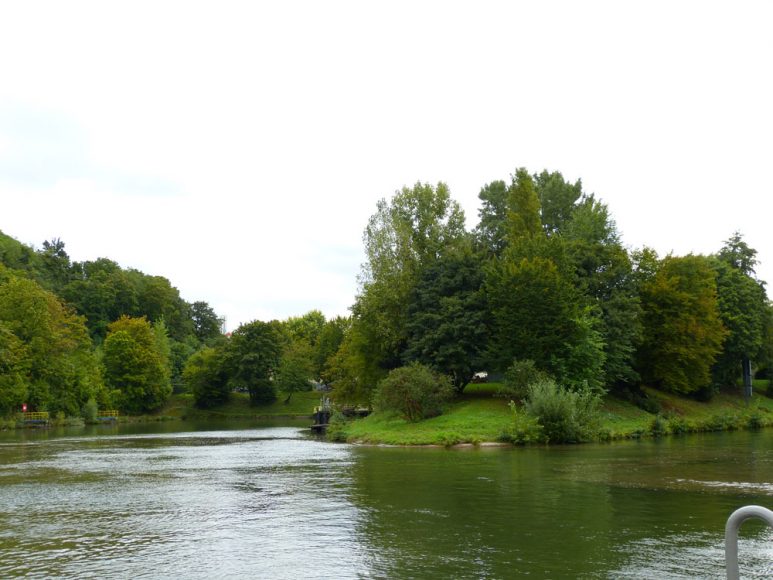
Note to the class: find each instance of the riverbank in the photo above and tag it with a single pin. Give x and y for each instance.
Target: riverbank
(301, 404)
(478, 417)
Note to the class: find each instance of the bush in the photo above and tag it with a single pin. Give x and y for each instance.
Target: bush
(518, 377)
(413, 391)
(90, 410)
(525, 428)
(678, 425)
(336, 427)
(566, 416)
(658, 426)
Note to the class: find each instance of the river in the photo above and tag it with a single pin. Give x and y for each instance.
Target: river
(183, 500)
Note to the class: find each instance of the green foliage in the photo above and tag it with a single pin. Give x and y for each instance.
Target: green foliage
(206, 377)
(296, 368)
(252, 359)
(518, 377)
(14, 365)
(491, 232)
(336, 427)
(90, 411)
(537, 314)
(566, 416)
(402, 238)
(206, 323)
(683, 332)
(658, 426)
(523, 216)
(330, 339)
(413, 391)
(743, 308)
(48, 357)
(135, 367)
(524, 429)
(447, 318)
(558, 200)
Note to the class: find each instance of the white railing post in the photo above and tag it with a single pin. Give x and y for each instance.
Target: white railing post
(734, 522)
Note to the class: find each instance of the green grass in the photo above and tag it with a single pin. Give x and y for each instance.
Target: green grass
(477, 416)
(238, 407)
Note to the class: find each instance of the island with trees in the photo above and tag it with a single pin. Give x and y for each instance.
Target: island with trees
(580, 337)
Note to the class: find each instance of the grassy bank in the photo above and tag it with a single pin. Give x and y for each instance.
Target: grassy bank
(478, 417)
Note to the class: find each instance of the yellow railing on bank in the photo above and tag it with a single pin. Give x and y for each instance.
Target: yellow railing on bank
(38, 416)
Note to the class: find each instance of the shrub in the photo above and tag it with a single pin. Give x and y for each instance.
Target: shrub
(658, 426)
(413, 391)
(336, 427)
(524, 429)
(566, 416)
(518, 377)
(679, 425)
(90, 410)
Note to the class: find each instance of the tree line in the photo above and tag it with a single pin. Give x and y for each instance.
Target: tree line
(544, 280)
(543, 283)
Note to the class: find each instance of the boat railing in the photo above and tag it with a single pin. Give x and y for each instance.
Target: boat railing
(734, 522)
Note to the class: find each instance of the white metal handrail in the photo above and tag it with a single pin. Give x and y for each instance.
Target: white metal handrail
(734, 522)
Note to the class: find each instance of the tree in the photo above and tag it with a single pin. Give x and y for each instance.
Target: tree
(206, 376)
(402, 238)
(523, 216)
(56, 269)
(50, 350)
(742, 303)
(537, 314)
(447, 318)
(252, 358)
(206, 323)
(307, 327)
(134, 366)
(604, 274)
(738, 254)
(14, 366)
(491, 231)
(413, 391)
(557, 199)
(330, 338)
(683, 332)
(295, 369)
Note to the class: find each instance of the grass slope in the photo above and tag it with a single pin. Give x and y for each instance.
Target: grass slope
(478, 417)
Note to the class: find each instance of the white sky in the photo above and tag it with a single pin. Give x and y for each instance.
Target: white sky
(238, 148)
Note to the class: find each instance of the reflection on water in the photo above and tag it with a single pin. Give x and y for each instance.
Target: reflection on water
(271, 502)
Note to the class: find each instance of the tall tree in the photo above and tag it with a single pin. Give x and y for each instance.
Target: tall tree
(206, 323)
(683, 332)
(742, 305)
(557, 200)
(134, 366)
(402, 238)
(447, 318)
(206, 376)
(252, 358)
(54, 346)
(523, 216)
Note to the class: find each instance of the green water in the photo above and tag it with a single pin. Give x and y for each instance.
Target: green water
(201, 501)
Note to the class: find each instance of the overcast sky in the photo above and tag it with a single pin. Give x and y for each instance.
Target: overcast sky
(238, 148)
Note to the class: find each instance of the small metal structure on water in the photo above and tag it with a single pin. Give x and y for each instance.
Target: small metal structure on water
(321, 415)
(35, 419)
(734, 522)
(323, 412)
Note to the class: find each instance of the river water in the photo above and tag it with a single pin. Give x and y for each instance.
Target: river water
(183, 500)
